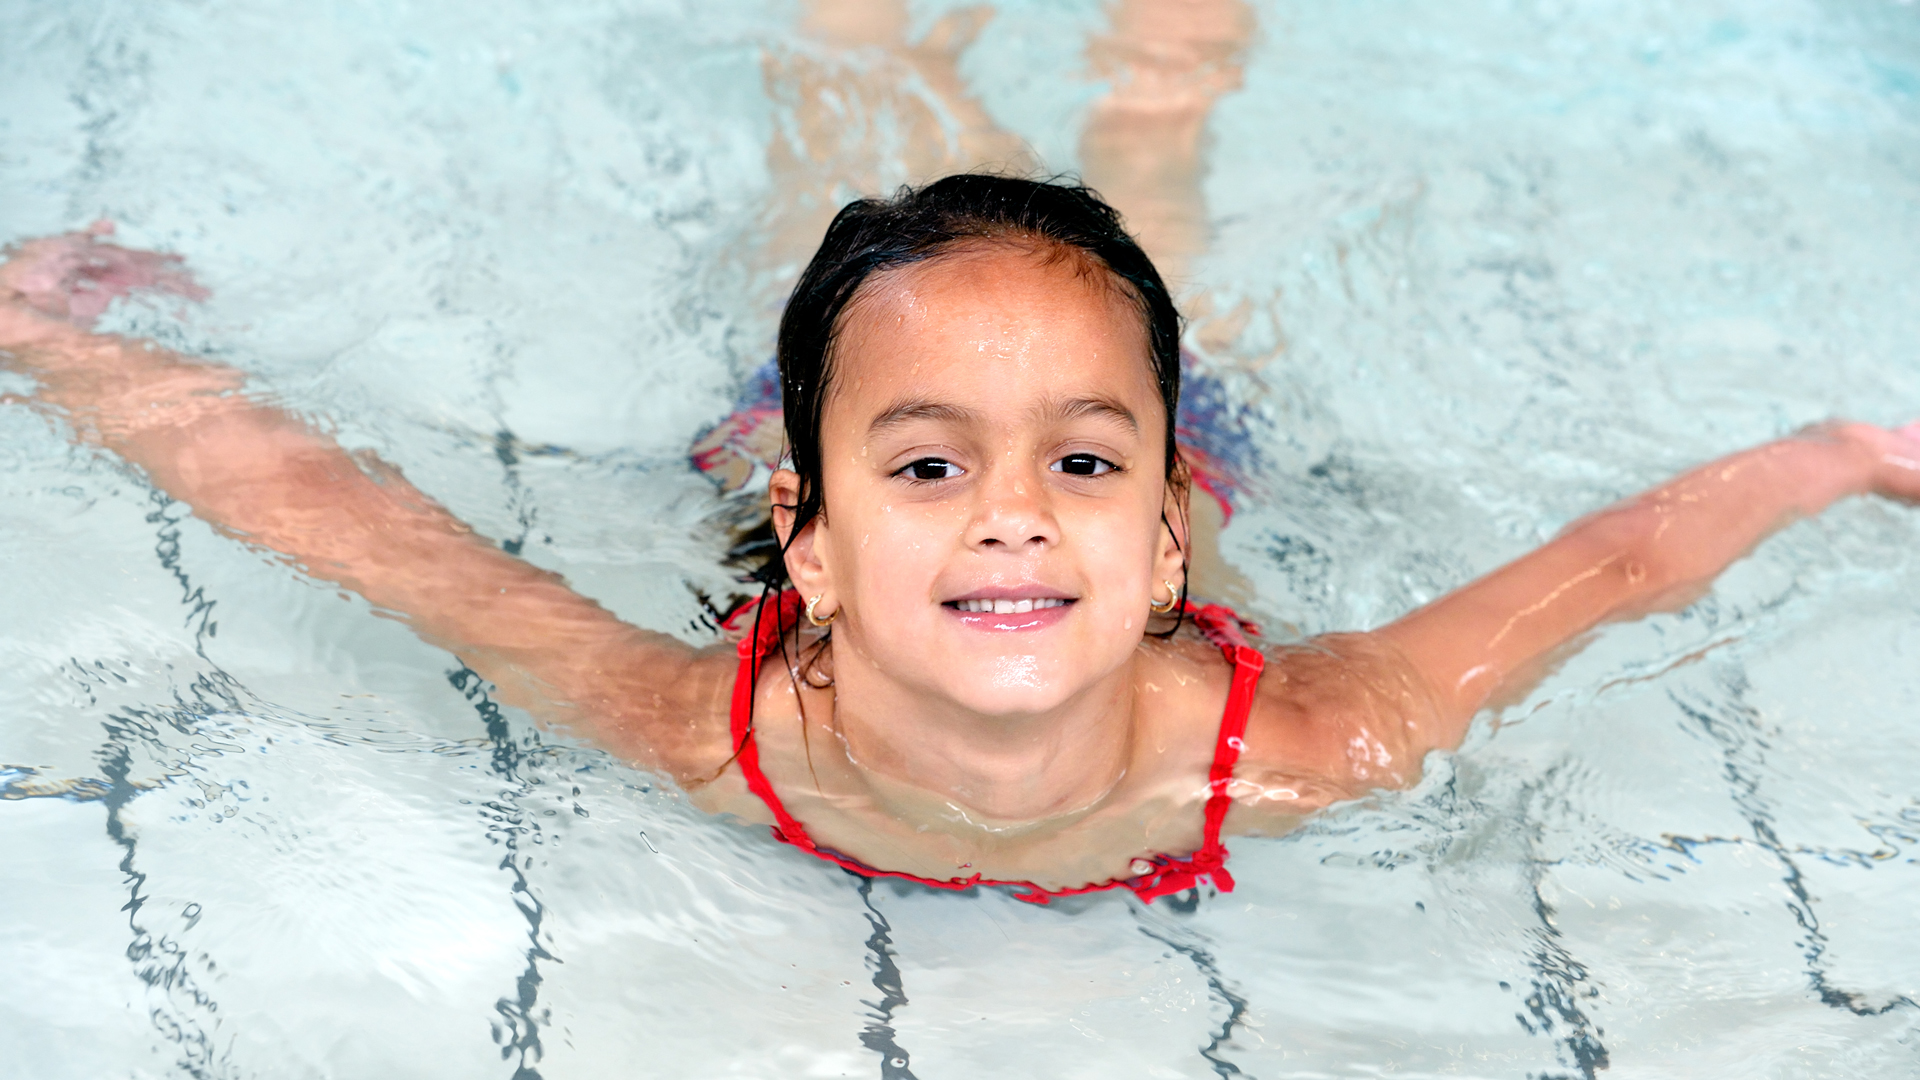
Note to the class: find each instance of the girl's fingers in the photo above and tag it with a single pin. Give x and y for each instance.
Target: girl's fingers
(75, 277)
(110, 272)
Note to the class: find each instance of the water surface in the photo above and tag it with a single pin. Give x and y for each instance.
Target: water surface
(1501, 263)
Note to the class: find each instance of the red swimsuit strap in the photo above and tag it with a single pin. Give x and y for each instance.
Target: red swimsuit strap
(763, 641)
(1167, 876)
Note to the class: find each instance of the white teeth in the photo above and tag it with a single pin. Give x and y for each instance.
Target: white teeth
(1008, 607)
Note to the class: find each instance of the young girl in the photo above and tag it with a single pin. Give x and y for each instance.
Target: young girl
(986, 669)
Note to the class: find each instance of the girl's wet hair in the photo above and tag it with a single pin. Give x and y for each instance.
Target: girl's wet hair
(917, 224)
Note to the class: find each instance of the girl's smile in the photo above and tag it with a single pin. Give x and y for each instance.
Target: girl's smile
(1010, 609)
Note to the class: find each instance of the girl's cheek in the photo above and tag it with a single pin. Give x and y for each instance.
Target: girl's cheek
(894, 544)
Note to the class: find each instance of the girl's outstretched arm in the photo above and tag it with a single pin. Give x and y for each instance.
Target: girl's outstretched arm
(1657, 551)
(265, 477)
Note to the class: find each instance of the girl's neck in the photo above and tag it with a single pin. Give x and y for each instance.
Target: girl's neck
(1000, 772)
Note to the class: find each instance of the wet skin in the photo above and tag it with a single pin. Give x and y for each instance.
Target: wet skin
(993, 436)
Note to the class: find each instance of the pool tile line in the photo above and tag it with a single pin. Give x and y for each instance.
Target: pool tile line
(190, 1016)
(1559, 979)
(878, 1034)
(1734, 726)
(167, 514)
(521, 1016)
(1189, 943)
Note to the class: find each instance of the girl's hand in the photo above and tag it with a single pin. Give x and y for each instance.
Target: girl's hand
(74, 277)
(1895, 455)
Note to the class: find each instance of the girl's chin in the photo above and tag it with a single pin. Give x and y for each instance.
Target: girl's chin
(1009, 684)
(1010, 705)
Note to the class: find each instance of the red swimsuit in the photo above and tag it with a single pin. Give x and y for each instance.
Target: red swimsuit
(1169, 875)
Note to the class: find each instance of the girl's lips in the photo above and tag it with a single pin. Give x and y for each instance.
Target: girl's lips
(1037, 619)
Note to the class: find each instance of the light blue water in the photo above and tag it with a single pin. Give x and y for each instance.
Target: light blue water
(1504, 263)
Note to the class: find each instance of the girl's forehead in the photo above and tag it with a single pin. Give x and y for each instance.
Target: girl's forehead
(1002, 321)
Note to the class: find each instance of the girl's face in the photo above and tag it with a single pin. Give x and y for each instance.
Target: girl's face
(993, 453)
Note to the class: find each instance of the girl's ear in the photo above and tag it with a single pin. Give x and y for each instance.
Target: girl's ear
(783, 492)
(804, 567)
(1176, 535)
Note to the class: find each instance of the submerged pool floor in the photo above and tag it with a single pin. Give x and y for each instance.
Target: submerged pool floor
(1475, 269)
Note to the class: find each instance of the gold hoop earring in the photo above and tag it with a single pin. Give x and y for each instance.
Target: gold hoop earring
(1173, 600)
(815, 619)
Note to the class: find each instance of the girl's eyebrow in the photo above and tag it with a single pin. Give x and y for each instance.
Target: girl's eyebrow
(1098, 408)
(909, 411)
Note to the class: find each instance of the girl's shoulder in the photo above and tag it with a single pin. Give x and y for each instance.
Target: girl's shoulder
(1335, 717)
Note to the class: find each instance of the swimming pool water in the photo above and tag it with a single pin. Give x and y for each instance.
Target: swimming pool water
(1491, 265)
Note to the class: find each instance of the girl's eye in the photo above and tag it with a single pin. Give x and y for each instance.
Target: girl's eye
(931, 468)
(1083, 465)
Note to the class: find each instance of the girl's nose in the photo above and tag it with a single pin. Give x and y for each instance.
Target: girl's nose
(1013, 512)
